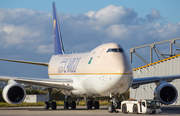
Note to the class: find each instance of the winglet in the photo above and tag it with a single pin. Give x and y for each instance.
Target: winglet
(58, 44)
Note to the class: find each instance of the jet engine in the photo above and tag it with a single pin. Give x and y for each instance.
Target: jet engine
(14, 93)
(166, 93)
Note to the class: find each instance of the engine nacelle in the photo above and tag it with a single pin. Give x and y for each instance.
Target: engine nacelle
(14, 93)
(166, 93)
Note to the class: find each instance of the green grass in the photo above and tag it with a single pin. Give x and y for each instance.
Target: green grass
(4, 104)
(59, 103)
(59, 97)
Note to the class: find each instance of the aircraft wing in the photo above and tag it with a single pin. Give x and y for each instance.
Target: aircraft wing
(64, 84)
(141, 81)
(27, 62)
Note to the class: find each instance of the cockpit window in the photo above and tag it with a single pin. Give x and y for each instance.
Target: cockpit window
(120, 50)
(115, 50)
(112, 50)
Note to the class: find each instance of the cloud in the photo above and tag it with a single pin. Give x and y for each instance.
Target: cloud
(45, 48)
(155, 15)
(117, 31)
(112, 15)
(33, 31)
(15, 35)
(20, 27)
(28, 34)
(171, 30)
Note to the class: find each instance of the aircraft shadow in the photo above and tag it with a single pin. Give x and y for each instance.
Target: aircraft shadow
(170, 110)
(165, 110)
(41, 109)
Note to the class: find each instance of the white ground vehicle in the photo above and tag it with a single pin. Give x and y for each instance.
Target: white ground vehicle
(142, 106)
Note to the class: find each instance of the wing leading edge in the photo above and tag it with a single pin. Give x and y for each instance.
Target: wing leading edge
(141, 81)
(27, 62)
(64, 84)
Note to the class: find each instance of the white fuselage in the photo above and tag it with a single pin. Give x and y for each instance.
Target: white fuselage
(97, 73)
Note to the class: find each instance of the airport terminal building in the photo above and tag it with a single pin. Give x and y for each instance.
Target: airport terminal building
(166, 66)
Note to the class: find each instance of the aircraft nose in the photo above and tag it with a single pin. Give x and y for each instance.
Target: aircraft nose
(123, 69)
(123, 65)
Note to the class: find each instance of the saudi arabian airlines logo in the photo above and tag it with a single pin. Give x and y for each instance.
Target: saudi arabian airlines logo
(54, 24)
(68, 65)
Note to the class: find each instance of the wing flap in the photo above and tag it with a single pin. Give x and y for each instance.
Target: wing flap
(64, 84)
(27, 62)
(146, 80)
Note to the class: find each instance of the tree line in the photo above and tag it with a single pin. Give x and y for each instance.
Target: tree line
(57, 95)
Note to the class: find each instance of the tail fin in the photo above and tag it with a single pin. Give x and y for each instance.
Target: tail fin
(58, 44)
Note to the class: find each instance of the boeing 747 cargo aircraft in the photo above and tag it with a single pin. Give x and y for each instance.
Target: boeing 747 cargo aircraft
(104, 71)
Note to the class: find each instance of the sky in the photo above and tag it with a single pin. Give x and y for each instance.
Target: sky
(26, 31)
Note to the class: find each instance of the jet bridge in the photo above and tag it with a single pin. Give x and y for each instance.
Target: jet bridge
(165, 66)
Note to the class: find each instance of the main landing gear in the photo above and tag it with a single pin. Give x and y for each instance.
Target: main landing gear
(114, 104)
(92, 103)
(69, 103)
(50, 103)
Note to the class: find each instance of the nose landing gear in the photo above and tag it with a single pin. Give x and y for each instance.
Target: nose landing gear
(115, 104)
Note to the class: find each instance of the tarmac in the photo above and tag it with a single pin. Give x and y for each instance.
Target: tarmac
(80, 111)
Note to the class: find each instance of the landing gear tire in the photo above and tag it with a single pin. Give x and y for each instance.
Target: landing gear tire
(53, 105)
(89, 105)
(111, 108)
(66, 104)
(124, 108)
(119, 105)
(73, 105)
(96, 104)
(135, 109)
(46, 105)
